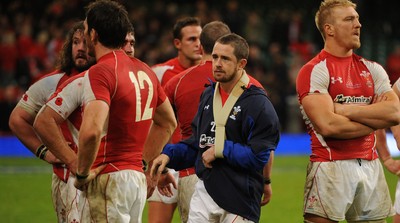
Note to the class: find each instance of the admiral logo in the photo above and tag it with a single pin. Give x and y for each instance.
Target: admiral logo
(206, 107)
(25, 97)
(334, 80)
(59, 101)
(340, 98)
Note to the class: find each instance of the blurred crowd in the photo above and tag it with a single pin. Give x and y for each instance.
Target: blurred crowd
(282, 37)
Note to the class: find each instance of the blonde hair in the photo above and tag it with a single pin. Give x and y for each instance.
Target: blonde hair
(325, 11)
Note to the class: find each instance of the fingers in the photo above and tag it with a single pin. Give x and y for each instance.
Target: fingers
(150, 191)
(81, 184)
(157, 168)
(379, 98)
(206, 164)
(165, 190)
(99, 169)
(264, 201)
(174, 184)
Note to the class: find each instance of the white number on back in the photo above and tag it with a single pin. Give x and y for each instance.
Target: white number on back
(140, 84)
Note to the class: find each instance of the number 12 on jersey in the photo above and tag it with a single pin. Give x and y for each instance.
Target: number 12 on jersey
(140, 83)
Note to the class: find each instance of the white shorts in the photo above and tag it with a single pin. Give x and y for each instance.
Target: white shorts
(204, 209)
(354, 190)
(186, 187)
(157, 197)
(115, 197)
(65, 199)
(397, 198)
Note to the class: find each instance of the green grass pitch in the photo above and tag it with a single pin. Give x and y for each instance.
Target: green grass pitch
(25, 191)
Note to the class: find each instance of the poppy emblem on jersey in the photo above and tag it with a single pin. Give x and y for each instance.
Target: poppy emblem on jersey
(25, 97)
(58, 101)
(236, 110)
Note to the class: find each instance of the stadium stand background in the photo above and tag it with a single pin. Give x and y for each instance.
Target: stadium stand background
(282, 36)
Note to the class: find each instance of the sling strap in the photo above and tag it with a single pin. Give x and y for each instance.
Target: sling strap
(221, 113)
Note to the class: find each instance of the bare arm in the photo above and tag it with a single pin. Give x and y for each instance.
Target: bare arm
(94, 119)
(267, 175)
(21, 124)
(164, 124)
(320, 110)
(384, 154)
(47, 127)
(396, 129)
(382, 114)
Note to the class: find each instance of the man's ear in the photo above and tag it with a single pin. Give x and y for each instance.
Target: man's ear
(242, 63)
(93, 36)
(329, 29)
(177, 43)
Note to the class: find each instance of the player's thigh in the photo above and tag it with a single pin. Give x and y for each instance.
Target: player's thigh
(372, 201)
(117, 197)
(329, 189)
(159, 212)
(157, 197)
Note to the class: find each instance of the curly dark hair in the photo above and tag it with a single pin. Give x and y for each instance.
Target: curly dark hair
(65, 60)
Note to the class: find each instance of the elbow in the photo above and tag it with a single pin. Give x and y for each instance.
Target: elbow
(12, 123)
(396, 116)
(326, 131)
(173, 125)
(89, 136)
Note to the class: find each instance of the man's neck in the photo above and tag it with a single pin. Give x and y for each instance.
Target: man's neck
(102, 50)
(185, 62)
(338, 51)
(228, 86)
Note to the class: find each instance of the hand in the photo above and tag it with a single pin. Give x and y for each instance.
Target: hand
(338, 108)
(208, 156)
(379, 98)
(267, 194)
(151, 185)
(392, 166)
(81, 184)
(158, 165)
(164, 184)
(50, 158)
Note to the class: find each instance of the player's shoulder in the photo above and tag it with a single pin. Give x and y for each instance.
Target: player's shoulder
(53, 74)
(49, 80)
(170, 62)
(74, 79)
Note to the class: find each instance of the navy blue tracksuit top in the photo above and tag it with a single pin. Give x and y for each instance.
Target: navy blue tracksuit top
(234, 182)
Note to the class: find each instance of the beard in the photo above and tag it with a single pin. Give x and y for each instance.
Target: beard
(225, 78)
(80, 67)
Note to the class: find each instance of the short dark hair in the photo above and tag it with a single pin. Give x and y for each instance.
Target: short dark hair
(181, 23)
(210, 33)
(239, 44)
(110, 20)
